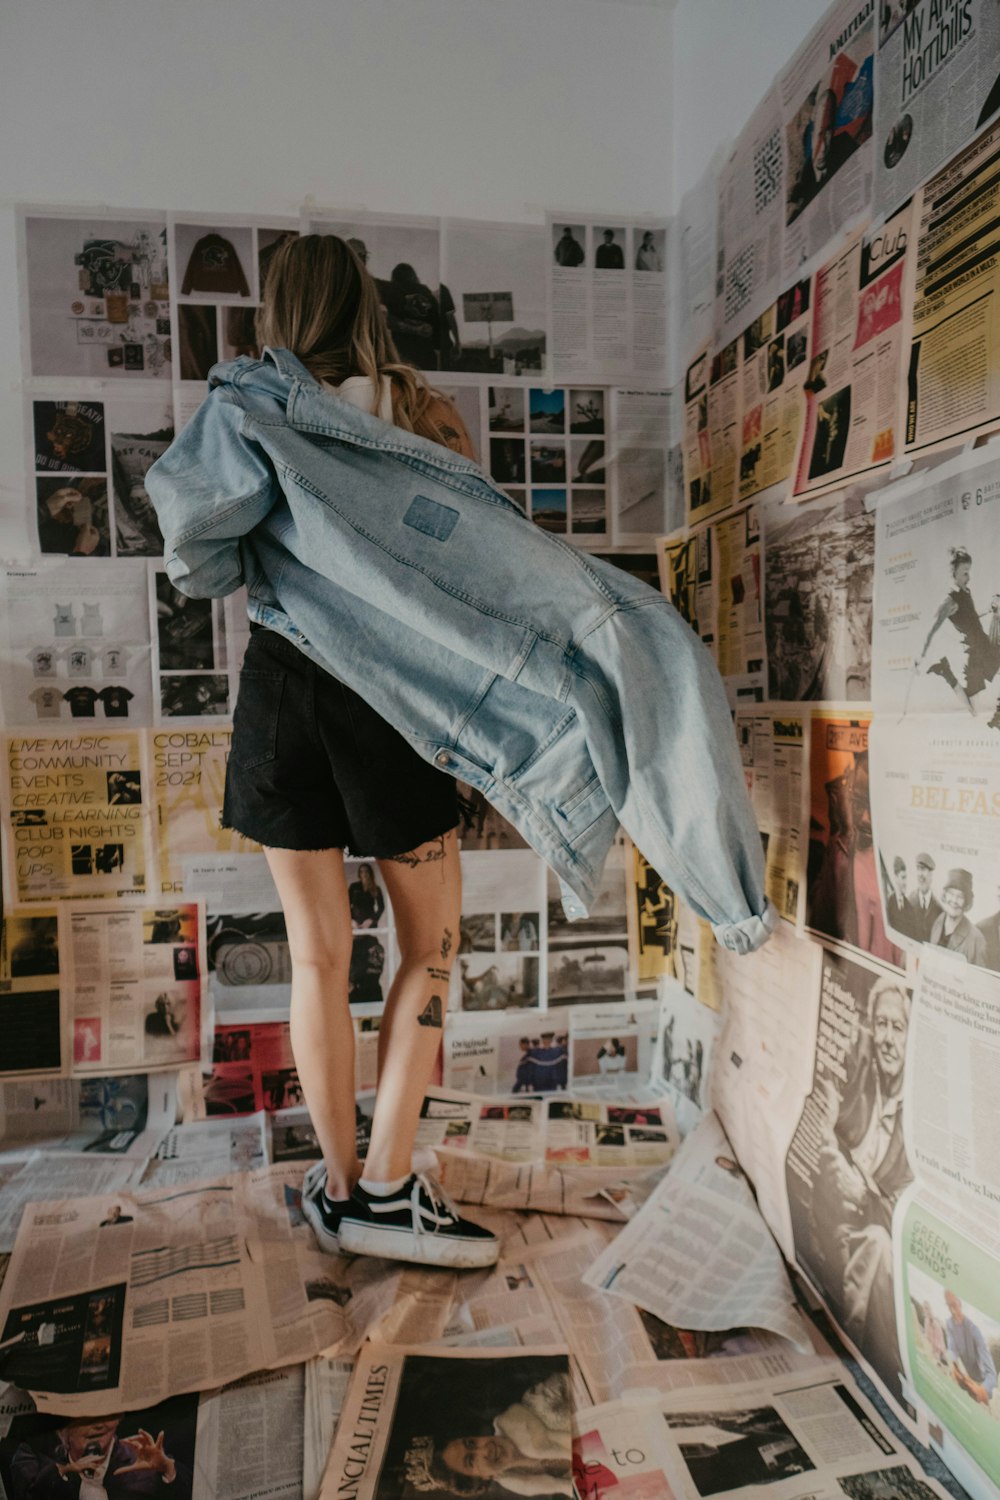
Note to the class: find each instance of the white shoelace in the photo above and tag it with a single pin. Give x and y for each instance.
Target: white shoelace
(439, 1200)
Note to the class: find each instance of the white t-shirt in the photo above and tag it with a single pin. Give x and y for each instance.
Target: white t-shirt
(359, 391)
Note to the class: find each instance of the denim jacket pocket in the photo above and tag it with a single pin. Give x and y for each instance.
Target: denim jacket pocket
(255, 720)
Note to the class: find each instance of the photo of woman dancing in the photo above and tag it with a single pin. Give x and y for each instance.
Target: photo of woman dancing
(972, 661)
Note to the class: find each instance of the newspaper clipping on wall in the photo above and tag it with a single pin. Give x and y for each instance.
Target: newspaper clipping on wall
(937, 82)
(775, 365)
(952, 385)
(827, 103)
(852, 385)
(137, 986)
(935, 752)
(607, 289)
(78, 810)
(750, 220)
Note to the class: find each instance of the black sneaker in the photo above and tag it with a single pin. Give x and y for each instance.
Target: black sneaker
(419, 1223)
(315, 1209)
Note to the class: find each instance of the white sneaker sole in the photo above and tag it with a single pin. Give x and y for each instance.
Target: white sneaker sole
(426, 1250)
(329, 1243)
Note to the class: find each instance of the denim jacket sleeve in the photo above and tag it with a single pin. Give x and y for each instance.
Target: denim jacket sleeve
(209, 489)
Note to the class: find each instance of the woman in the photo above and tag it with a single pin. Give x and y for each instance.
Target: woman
(973, 662)
(528, 1452)
(611, 1057)
(314, 770)
(952, 928)
(365, 898)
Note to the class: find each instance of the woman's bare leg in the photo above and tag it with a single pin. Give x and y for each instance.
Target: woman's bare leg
(425, 888)
(313, 891)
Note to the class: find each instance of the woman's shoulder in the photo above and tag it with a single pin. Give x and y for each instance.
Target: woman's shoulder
(445, 416)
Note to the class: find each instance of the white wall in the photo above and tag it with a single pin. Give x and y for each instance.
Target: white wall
(483, 108)
(726, 53)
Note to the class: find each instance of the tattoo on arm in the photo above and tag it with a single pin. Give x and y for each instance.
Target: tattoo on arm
(446, 942)
(443, 975)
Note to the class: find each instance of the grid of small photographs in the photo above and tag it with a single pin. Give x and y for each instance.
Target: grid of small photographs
(588, 959)
(90, 459)
(501, 930)
(498, 960)
(221, 268)
(547, 449)
(190, 655)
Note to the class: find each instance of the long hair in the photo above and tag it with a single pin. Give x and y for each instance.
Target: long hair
(320, 302)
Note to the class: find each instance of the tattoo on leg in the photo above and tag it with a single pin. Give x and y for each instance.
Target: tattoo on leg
(440, 974)
(425, 855)
(446, 942)
(432, 1013)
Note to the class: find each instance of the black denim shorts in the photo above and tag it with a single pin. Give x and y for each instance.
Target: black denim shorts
(312, 766)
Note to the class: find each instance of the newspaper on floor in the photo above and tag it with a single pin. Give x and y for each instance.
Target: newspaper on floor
(50, 1174)
(579, 1132)
(209, 1148)
(802, 1434)
(152, 1451)
(113, 1302)
(952, 387)
(416, 1420)
(937, 81)
(122, 1116)
(698, 1254)
(250, 1438)
(245, 1439)
(587, 1192)
(326, 1382)
(138, 986)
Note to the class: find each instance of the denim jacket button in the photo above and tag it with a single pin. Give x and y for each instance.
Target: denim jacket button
(443, 758)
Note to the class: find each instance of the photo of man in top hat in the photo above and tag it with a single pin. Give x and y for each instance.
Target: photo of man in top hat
(924, 905)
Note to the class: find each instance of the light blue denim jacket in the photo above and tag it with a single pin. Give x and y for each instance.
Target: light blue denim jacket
(571, 695)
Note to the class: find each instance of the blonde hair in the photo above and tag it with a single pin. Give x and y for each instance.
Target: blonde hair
(320, 302)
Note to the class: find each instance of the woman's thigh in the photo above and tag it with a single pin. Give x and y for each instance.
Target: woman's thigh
(425, 888)
(313, 891)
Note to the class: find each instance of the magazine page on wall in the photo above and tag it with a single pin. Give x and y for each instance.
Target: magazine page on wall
(855, 370)
(827, 102)
(936, 736)
(222, 262)
(95, 294)
(606, 278)
(403, 254)
(937, 81)
(752, 190)
(951, 338)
